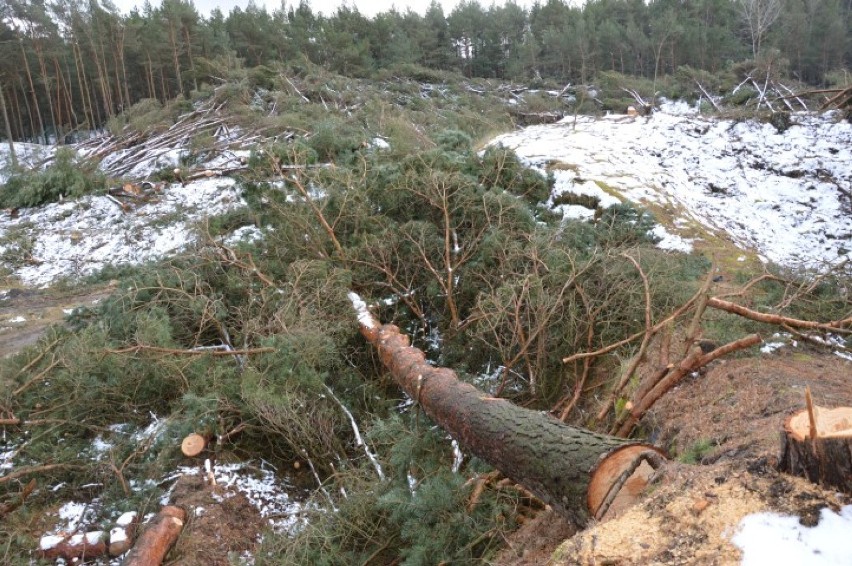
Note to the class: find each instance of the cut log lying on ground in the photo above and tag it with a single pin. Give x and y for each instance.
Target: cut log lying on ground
(817, 444)
(79, 547)
(122, 535)
(579, 473)
(154, 543)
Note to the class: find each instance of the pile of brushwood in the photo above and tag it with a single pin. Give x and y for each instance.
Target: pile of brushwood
(256, 344)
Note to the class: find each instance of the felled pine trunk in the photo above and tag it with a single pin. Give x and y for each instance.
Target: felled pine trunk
(817, 444)
(577, 472)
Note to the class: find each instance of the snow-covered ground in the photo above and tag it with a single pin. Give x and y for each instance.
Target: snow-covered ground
(786, 196)
(28, 154)
(79, 237)
(781, 540)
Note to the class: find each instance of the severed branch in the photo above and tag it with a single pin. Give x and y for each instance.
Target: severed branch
(158, 538)
(710, 98)
(40, 375)
(194, 352)
(643, 347)
(607, 349)
(833, 326)
(693, 361)
(35, 470)
(20, 499)
(38, 358)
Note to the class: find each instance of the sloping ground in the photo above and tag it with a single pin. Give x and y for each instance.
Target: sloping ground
(785, 196)
(749, 193)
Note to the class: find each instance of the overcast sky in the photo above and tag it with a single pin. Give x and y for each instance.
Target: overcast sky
(366, 7)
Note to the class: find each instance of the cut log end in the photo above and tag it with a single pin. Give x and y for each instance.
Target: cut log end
(829, 423)
(193, 445)
(620, 479)
(817, 444)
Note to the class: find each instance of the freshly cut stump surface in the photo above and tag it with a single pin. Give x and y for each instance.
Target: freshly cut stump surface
(817, 445)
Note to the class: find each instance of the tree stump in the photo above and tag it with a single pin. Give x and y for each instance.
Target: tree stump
(817, 444)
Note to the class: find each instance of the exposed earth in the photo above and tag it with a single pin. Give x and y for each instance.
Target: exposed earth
(26, 313)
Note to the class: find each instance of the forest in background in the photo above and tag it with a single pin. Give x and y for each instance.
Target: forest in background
(69, 65)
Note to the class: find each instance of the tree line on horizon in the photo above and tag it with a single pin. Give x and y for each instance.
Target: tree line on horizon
(68, 65)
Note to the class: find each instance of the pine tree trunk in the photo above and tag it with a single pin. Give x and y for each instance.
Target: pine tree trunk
(33, 126)
(82, 85)
(175, 57)
(8, 127)
(46, 82)
(191, 62)
(32, 91)
(576, 471)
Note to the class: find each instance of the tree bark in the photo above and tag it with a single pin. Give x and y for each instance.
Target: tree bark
(817, 444)
(576, 471)
(75, 548)
(158, 538)
(33, 91)
(769, 318)
(8, 128)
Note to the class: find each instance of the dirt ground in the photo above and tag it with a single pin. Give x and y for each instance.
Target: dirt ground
(222, 524)
(728, 419)
(26, 313)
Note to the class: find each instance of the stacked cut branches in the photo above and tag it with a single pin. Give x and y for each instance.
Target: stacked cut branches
(771, 91)
(841, 99)
(136, 147)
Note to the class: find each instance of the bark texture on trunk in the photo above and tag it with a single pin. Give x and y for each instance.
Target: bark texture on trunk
(817, 444)
(555, 461)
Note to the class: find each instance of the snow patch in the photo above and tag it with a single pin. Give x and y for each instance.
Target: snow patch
(365, 319)
(781, 540)
(126, 519)
(76, 238)
(267, 493)
(669, 241)
(71, 514)
(243, 234)
(50, 541)
(773, 193)
(770, 347)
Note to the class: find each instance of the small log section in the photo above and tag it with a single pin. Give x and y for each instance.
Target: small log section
(577, 472)
(820, 453)
(157, 539)
(193, 445)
